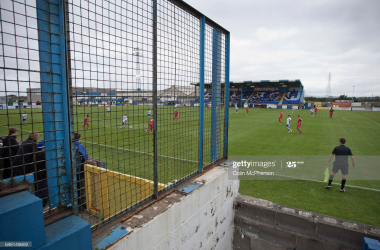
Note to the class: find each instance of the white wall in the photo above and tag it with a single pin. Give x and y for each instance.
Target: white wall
(203, 219)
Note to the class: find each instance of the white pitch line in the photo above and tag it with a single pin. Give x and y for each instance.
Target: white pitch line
(372, 189)
(372, 121)
(356, 121)
(367, 118)
(141, 152)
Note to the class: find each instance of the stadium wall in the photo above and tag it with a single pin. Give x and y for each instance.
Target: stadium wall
(202, 219)
(261, 224)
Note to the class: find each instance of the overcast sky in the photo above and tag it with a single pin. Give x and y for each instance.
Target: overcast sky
(298, 39)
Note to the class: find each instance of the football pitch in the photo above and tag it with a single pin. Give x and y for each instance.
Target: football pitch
(130, 150)
(260, 133)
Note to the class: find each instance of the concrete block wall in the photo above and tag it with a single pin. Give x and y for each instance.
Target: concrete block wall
(202, 219)
(261, 224)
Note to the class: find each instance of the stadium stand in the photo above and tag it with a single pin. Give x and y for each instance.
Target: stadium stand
(263, 92)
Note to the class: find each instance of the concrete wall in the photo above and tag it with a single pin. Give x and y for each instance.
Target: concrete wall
(261, 224)
(202, 219)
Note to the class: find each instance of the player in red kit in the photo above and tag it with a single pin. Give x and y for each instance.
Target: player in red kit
(315, 110)
(208, 106)
(331, 113)
(175, 115)
(280, 118)
(85, 122)
(247, 110)
(150, 126)
(299, 120)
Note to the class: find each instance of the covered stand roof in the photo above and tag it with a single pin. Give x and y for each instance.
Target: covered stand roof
(264, 84)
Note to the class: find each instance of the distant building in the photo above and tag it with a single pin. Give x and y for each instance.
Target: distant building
(83, 94)
(179, 94)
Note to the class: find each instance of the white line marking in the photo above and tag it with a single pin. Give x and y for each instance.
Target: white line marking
(367, 118)
(372, 189)
(140, 152)
(349, 120)
(372, 121)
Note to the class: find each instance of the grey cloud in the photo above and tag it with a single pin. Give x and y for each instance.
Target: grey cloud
(340, 36)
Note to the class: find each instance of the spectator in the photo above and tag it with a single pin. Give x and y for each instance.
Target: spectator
(10, 148)
(31, 160)
(81, 156)
(41, 145)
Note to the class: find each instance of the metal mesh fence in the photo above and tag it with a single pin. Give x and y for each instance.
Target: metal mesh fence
(178, 70)
(111, 87)
(114, 89)
(28, 119)
(214, 94)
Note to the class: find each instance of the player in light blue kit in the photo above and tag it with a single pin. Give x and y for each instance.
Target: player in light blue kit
(236, 109)
(312, 112)
(25, 118)
(149, 114)
(125, 119)
(288, 120)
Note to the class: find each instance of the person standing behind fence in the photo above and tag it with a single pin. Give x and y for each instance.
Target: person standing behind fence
(24, 118)
(175, 115)
(10, 148)
(150, 126)
(86, 122)
(31, 160)
(81, 156)
(125, 120)
(341, 163)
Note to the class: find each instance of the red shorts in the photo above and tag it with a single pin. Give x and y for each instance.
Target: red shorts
(280, 118)
(298, 126)
(175, 116)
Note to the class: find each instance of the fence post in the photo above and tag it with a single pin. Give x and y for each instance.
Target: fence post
(241, 96)
(155, 171)
(201, 89)
(55, 102)
(215, 95)
(226, 94)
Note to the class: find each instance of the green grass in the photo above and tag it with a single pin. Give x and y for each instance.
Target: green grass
(130, 150)
(259, 133)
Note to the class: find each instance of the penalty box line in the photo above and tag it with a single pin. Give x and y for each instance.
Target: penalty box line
(305, 179)
(140, 152)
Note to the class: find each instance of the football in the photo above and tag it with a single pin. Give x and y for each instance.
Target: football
(130, 126)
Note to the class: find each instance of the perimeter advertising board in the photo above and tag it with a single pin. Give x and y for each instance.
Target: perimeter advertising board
(341, 105)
